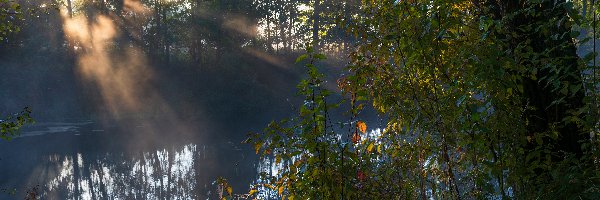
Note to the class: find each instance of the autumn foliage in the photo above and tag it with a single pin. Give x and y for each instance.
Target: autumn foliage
(480, 99)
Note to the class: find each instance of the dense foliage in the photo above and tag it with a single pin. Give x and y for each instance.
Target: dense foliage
(481, 99)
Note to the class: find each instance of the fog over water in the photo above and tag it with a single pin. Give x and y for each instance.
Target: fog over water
(81, 160)
(148, 99)
(151, 99)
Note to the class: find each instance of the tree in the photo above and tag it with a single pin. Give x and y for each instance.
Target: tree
(10, 14)
(481, 99)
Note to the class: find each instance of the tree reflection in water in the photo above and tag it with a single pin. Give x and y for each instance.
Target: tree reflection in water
(162, 174)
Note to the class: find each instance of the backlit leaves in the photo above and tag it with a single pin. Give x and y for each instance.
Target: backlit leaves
(257, 146)
(252, 192)
(370, 147)
(361, 126)
(355, 138)
(306, 145)
(229, 190)
(10, 126)
(450, 88)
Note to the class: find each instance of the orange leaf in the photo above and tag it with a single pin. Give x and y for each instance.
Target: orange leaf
(361, 126)
(355, 138)
(341, 82)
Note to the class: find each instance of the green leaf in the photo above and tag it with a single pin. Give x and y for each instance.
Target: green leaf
(475, 117)
(320, 56)
(575, 34)
(590, 56)
(301, 58)
(441, 34)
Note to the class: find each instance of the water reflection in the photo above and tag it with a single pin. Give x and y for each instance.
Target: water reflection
(161, 174)
(92, 160)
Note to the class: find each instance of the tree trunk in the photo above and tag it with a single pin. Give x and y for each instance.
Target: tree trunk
(315, 28)
(165, 38)
(543, 114)
(70, 8)
(157, 43)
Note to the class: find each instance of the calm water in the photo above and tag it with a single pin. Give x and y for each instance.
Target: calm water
(92, 160)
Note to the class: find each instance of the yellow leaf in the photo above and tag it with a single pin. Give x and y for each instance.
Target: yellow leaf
(370, 147)
(291, 198)
(229, 190)
(379, 148)
(280, 190)
(257, 146)
(361, 126)
(252, 192)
